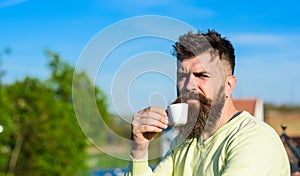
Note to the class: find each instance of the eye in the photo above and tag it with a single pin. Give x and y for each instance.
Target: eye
(201, 75)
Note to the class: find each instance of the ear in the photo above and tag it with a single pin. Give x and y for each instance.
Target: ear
(229, 85)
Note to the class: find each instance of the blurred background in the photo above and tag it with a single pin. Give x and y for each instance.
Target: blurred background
(41, 41)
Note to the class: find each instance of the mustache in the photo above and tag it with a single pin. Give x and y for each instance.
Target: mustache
(184, 97)
(202, 116)
(197, 114)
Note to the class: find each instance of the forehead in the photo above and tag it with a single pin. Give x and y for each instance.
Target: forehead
(203, 62)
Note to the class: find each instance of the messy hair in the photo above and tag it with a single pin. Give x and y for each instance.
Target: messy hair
(192, 44)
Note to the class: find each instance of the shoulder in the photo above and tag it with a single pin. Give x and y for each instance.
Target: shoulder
(255, 136)
(247, 124)
(256, 143)
(246, 133)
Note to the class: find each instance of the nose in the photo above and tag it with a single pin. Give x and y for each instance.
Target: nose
(190, 83)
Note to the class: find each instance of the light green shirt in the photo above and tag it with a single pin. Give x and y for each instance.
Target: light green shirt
(244, 146)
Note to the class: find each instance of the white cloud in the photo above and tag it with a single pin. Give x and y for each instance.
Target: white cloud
(265, 39)
(267, 65)
(6, 3)
(274, 81)
(258, 38)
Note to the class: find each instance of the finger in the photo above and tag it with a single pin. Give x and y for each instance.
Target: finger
(152, 122)
(155, 116)
(138, 131)
(156, 109)
(149, 129)
(147, 113)
(139, 120)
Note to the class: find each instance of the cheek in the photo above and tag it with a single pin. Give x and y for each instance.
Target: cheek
(202, 83)
(180, 84)
(205, 87)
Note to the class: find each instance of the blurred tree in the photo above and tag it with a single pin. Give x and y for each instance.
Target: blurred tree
(6, 122)
(41, 134)
(6, 51)
(6, 137)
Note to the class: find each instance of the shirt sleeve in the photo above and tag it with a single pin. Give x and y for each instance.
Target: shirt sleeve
(138, 167)
(141, 167)
(259, 152)
(165, 167)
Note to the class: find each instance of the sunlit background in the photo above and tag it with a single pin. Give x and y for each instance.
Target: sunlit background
(265, 35)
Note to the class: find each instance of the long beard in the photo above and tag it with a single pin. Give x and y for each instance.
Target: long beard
(202, 116)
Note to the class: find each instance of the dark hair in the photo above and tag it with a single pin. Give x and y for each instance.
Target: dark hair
(191, 45)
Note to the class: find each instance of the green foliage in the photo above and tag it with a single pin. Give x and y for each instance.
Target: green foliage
(8, 132)
(41, 134)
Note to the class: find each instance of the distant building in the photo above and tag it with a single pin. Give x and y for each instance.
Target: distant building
(254, 106)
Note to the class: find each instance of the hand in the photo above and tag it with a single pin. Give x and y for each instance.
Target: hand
(145, 125)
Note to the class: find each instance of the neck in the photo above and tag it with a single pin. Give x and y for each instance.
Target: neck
(228, 111)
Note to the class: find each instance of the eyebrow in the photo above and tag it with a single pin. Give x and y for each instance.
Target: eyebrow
(195, 73)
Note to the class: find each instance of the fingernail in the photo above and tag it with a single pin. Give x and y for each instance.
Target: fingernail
(166, 120)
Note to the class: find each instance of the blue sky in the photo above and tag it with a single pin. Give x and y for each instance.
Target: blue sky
(265, 34)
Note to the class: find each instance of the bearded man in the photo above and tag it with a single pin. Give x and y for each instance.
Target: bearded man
(217, 139)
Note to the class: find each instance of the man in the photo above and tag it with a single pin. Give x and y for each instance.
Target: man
(217, 139)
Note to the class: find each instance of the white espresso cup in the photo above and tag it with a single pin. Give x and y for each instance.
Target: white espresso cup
(178, 114)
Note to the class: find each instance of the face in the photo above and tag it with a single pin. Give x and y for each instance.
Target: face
(202, 74)
(201, 84)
